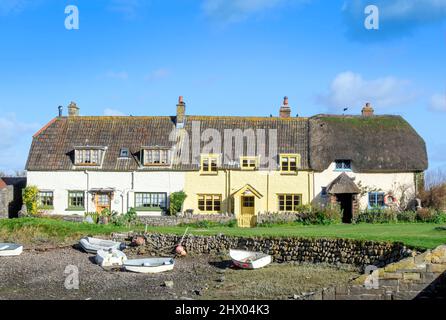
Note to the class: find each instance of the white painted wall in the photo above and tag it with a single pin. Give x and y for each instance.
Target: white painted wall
(381, 181)
(60, 182)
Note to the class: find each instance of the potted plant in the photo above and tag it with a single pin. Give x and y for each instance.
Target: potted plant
(105, 216)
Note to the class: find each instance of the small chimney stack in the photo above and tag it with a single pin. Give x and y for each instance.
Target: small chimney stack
(367, 110)
(60, 111)
(285, 110)
(73, 110)
(181, 113)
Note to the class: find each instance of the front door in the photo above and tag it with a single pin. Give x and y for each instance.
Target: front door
(102, 201)
(247, 217)
(346, 202)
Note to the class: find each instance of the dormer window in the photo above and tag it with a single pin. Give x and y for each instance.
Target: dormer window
(289, 163)
(343, 165)
(155, 157)
(88, 156)
(248, 163)
(124, 153)
(209, 163)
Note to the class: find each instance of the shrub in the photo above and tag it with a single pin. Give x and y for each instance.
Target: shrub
(329, 214)
(406, 216)
(431, 215)
(377, 215)
(176, 202)
(127, 219)
(205, 224)
(30, 194)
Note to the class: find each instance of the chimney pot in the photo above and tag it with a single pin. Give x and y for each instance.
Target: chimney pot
(73, 110)
(181, 113)
(285, 110)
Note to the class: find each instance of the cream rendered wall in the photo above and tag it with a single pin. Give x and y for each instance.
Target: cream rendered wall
(268, 183)
(384, 182)
(124, 183)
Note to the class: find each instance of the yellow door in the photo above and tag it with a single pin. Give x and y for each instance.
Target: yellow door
(103, 201)
(247, 218)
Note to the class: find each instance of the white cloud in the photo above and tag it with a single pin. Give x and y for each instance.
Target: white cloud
(15, 139)
(158, 74)
(113, 112)
(438, 102)
(351, 90)
(121, 75)
(236, 10)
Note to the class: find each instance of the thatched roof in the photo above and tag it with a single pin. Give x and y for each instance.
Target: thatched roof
(373, 144)
(343, 184)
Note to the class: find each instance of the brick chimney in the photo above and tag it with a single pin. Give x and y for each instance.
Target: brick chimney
(181, 113)
(367, 110)
(285, 110)
(73, 110)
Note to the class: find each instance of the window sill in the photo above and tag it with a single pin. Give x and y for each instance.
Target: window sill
(248, 169)
(75, 209)
(208, 173)
(288, 173)
(342, 170)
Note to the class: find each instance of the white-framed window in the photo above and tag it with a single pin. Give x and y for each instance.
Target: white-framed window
(343, 165)
(155, 157)
(87, 157)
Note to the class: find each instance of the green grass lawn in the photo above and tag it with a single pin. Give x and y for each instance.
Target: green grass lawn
(418, 235)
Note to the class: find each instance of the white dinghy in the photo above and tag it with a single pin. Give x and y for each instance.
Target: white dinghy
(149, 265)
(93, 245)
(248, 259)
(10, 249)
(110, 258)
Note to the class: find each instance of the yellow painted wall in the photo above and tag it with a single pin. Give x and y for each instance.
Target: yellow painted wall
(268, 183)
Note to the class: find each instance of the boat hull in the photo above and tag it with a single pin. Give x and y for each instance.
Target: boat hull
(249, 260)
(150, 265)
(10, 249)
(93, 245)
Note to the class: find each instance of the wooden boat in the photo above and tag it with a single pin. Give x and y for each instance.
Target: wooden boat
(149, 265)
(92, 245)
(10, 249)
(110, 258)
(248, 259)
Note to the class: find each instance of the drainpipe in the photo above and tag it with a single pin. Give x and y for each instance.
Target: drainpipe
(267, 191)
(88, 188)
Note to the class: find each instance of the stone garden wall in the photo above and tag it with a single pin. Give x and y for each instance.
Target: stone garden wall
(417, 277)
(333, 251)
(6, 198)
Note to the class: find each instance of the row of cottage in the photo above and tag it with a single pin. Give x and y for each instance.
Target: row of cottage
(224, 164)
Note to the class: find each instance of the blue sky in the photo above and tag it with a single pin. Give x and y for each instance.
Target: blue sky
(234, 57)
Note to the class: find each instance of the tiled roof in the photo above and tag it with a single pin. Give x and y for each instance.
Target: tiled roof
(52, 147)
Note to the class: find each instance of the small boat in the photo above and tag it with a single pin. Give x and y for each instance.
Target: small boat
(149, 265)
(93, 245)
(10, 249)
(110, 258)
(248, 259)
